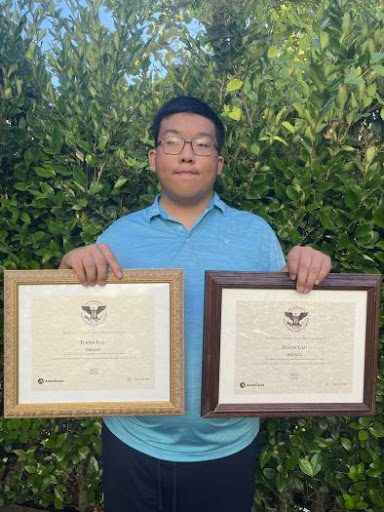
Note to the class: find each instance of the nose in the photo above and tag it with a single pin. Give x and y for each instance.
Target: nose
(187, 154)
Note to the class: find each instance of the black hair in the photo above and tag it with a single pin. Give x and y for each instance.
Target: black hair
(180, 104)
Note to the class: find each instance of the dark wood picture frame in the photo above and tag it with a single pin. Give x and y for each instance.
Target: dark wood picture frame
(216, 282)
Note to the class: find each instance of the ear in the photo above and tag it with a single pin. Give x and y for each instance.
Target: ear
(152, 159)
(220, 163)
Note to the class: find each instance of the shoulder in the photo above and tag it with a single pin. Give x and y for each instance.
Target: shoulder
(125, 224)
(244, 221)
(253, 235)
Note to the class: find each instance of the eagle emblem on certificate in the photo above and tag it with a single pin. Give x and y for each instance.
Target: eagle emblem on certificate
(93, 312)
(296, 319)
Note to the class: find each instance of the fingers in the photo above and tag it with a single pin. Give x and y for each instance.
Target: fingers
(293, 261)
(95, 265)
(111, 260)
(91, 264)
(70, 260)
(306, 273)
(308, 267)
(325, 268)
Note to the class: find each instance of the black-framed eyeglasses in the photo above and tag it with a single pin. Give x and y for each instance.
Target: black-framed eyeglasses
(201, 146)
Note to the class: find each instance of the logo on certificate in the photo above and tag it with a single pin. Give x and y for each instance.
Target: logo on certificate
(93, 312)
(296, 319)
(253, 384)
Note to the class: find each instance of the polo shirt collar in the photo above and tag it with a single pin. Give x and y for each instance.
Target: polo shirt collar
(156, 210)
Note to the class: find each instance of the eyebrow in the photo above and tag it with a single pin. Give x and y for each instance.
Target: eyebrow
(200, 134)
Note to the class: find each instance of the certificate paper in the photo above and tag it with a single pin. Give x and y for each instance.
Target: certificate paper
(282, 352)
(75, 351)
(292, 349)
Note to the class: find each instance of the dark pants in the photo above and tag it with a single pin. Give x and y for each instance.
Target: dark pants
(135, 482)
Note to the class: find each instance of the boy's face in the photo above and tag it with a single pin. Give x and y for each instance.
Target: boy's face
(186, 178)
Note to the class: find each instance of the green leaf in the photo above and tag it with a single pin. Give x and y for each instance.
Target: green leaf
(348, 501)
(377, 497)
(59, 493)
(352, 198)
(255, 149)
(372, 90)
(19, 86)
(376, 57)
(43, 172)
(377, 429)
(79, 176)
(293, 193)
(279, 139)
(306, 467)
(234, 85)
(353, 77)
(378, 69)
(21, 186)
(235, 113)
(57, 138)
(95, 188)
(347, 22)
(327, 216)
(25, 217)
(92, 90)
(243, 170)
(265, 457)
(83, 452)
(363, 435)
(83, 144)
(120, 182)
(273, 52)
(316, 464)
(287, 125)
(370, 154)
(346, 444)
(354, 472)
(269, 473)
(12, 68)
(378, 464)
(342, 96)
(324, 40)
(30, 51)
(79, 155)
(363, 229)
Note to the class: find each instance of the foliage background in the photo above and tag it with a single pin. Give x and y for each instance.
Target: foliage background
(300, 87)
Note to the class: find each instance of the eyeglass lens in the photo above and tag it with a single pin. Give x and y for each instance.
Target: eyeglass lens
(202, 146)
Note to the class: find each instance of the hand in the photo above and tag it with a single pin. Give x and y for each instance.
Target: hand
(91, 263)
(307, 266)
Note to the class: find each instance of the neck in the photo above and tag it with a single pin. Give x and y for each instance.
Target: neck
(186, 213)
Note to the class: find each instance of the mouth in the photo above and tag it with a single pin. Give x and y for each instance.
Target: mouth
(186, 172)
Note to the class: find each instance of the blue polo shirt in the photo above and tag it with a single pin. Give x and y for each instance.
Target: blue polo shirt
(222, 238)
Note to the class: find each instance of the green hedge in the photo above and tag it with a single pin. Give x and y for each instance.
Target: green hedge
(300, 86)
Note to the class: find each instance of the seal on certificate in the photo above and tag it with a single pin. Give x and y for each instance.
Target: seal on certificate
(93, 312)
(296, 319)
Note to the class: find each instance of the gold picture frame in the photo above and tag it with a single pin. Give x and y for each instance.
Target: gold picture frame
(73, 351)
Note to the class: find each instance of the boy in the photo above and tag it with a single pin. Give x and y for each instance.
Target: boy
(186, 463)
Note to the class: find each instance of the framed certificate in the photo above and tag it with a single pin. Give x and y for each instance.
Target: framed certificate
(72, 350)
(271, 351)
